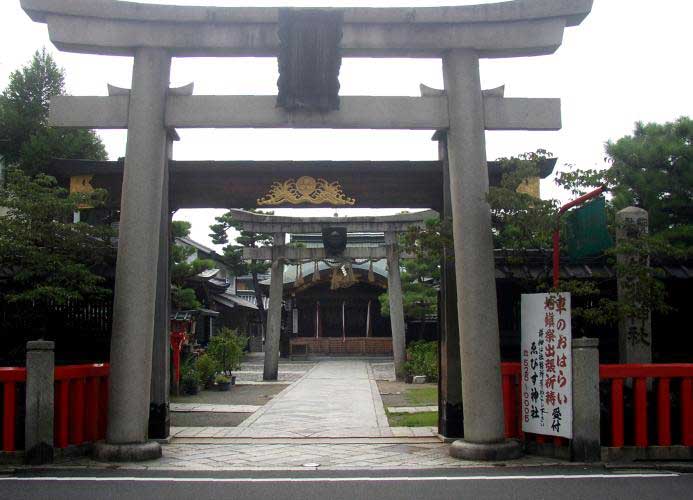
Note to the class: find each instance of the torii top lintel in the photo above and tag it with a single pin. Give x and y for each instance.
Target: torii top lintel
(264, 223)
(504, 29)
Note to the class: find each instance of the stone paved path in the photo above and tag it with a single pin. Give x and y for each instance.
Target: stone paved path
(213, 408)
(291, 456)
(332, 416)
(336, 398)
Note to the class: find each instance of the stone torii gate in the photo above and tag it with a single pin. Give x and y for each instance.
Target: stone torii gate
(153, 34)
(280, 226)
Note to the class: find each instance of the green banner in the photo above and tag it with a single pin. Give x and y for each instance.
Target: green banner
(588, 235)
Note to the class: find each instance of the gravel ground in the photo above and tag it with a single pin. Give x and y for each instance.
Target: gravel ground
(257, 395)
(393, 393)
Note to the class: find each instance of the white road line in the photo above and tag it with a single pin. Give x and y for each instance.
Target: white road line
(337, 479)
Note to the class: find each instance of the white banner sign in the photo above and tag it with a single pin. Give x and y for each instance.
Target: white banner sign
(547, 388)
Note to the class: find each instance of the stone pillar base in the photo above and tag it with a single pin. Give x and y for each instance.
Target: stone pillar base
(133, 452)
(505, 450)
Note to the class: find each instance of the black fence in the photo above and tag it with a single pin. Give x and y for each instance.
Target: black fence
(81, 330)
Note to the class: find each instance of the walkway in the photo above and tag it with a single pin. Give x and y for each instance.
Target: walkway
(332, 417)
(334, 399)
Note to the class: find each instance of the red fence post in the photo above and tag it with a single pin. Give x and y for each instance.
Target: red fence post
(92, 408)
(663, 413)
(509, 406)
(77, 427)
(617, 412)
(103, 407)
(640, 397)
(63, 405)
(687, 411)
(8, 418)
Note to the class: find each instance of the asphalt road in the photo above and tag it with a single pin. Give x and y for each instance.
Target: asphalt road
(496, 483)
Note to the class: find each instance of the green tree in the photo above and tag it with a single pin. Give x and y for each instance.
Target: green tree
(44, 256)
(183, 297)
(651, 169)
(520, 220)
(233, 254)
(26, 140)
(226, 349)
(421, 274)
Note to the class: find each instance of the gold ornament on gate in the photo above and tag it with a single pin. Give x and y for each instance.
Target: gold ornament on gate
(306, 190)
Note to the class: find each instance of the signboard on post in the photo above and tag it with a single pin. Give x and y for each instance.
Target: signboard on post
(547, 389)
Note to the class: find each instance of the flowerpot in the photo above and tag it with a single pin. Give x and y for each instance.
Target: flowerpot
(233, 380)
(191, 390)
(408, 379)
(223, 386)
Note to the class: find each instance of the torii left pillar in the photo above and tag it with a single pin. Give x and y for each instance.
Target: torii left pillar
(136, 271)
(274, 318)
(394, 293)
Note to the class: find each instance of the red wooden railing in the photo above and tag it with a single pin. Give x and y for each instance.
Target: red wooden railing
(81, 403)
(663, 376)
(9, 378)
(512, 399)
(512, 402)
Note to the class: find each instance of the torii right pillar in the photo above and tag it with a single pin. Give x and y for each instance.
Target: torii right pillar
(474, 268)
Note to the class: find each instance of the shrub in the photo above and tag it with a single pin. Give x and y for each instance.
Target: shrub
(222, 379)
(226, 348)
(422, 359)
(206, 366)
(189, 384)
(189, 378)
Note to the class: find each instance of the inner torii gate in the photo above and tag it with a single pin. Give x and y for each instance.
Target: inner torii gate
(153, 34)
(279, 253)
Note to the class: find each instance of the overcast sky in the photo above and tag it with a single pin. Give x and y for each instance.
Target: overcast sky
(629, 60)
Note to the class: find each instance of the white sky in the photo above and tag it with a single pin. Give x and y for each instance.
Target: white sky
(629, 60)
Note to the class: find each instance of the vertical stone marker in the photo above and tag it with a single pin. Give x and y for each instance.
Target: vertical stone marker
(138, 254)
(475, 273)
(634, 334)
(38, 425)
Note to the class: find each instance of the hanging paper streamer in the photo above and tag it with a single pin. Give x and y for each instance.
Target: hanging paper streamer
(316, 271)
(371, 276)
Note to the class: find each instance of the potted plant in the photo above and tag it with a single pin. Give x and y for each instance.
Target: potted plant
(222, 382)
(190, 383)
(226, 348)
(206, 366)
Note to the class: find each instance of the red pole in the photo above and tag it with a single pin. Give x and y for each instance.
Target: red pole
(77, 420)
(640, 393)
(663, 413)
(687, 411)
(9, 401)
(617, 412)
(63, 412)
(556, 232)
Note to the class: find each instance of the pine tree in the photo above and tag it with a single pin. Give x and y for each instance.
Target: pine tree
(26, 140)
(233, 254)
